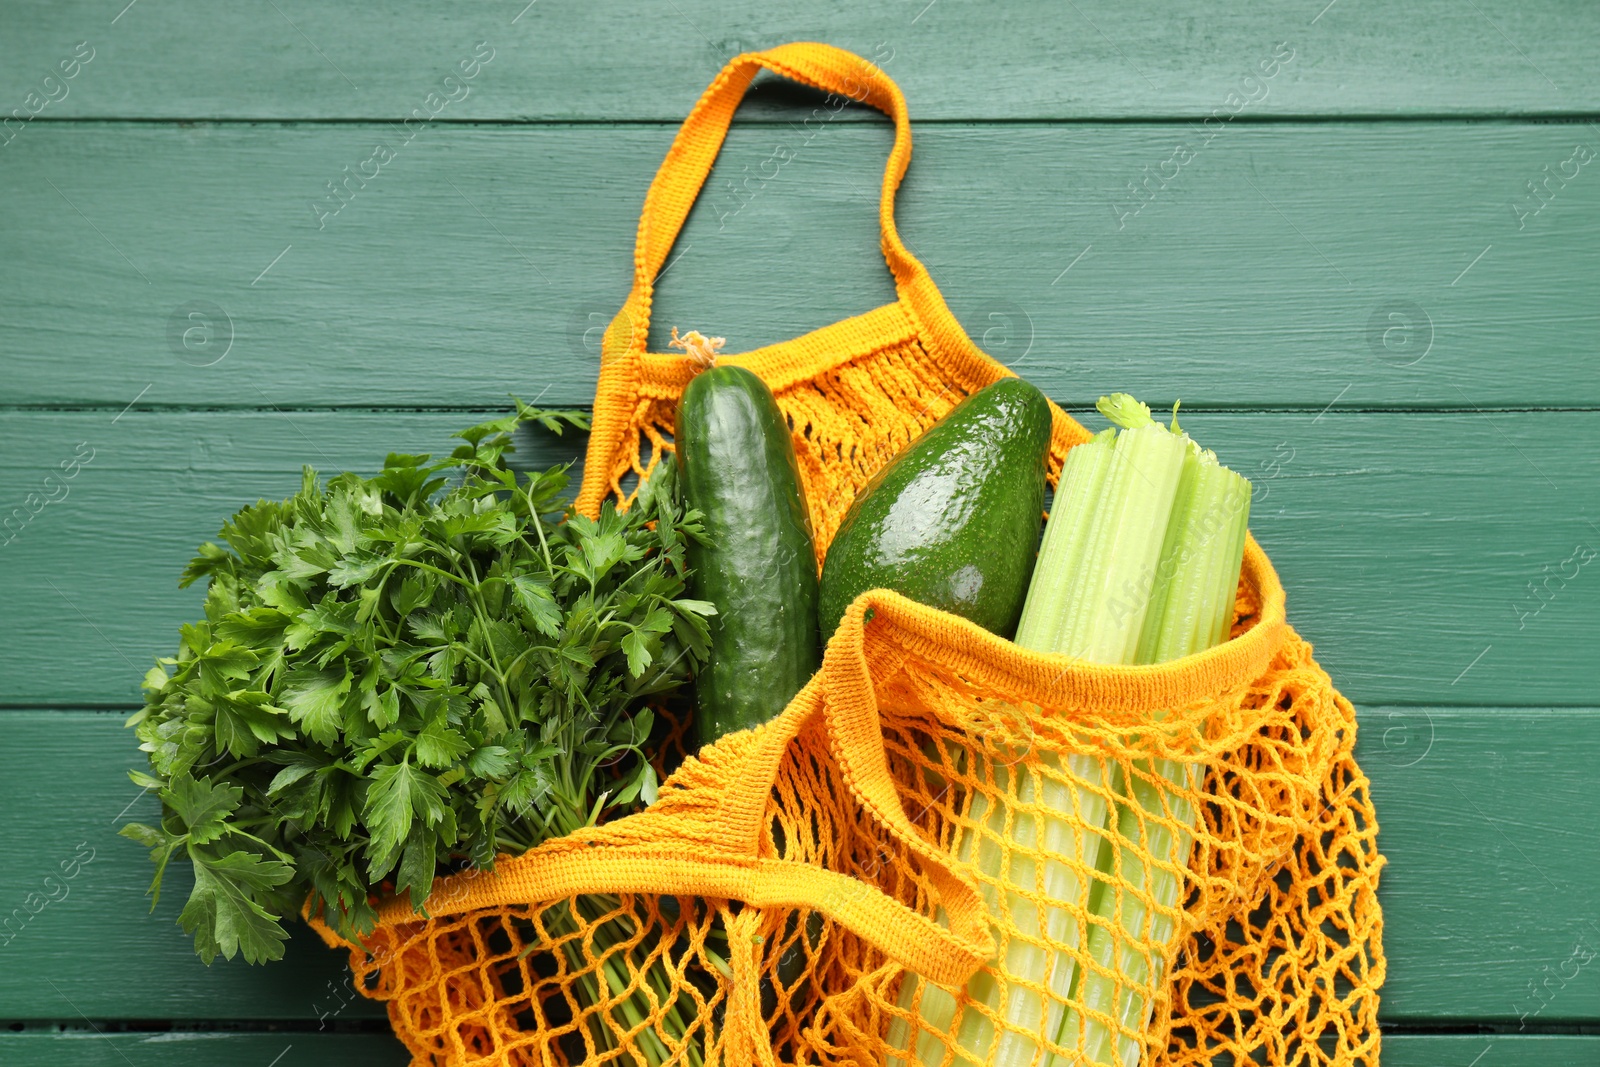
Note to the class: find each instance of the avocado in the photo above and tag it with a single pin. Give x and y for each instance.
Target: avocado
(953, 520)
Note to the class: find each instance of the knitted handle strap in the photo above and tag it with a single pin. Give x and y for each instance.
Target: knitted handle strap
(946, 956)
(699, 140)
(704, 840)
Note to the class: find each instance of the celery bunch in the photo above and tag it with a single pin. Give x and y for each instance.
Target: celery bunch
(1139, 564)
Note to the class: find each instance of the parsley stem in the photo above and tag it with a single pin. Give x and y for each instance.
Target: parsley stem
(234, 828)
(475, 599)
(537, 522)
(417, 563)
(493, 671)
(512, 667)
(377, 611)
(230, 768)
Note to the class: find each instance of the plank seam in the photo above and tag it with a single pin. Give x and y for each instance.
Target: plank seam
(1563, 118)
(1074, 409)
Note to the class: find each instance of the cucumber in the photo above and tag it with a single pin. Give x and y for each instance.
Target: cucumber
(757, 564)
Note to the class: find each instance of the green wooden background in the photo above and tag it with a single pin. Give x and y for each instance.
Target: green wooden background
(1375, 285)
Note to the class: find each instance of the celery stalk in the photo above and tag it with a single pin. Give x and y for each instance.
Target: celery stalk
(1190, 612)
(1185, 616)
(1038, 896)
(1066, 537)
(1088, 597)
(1138, 565)
(1113, 993)
(1108, 596)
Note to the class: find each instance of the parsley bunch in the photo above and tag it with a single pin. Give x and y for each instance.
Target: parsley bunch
(400, 675)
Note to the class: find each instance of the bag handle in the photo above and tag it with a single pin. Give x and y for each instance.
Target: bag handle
(685, 845)
(688, 163)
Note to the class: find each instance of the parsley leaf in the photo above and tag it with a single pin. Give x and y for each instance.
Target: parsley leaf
(223, 912)
(314, 700)
(202, 806)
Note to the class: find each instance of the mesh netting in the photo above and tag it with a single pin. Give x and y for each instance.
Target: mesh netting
(850, 417)
(1264, 944)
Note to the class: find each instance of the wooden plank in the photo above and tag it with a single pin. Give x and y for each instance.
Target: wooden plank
(1495, 1050)
(1096, 58)
(1486, 818)
(1408, 542)
(206, 467)
(202, 1049)
(1486, 896)
(96, 950)
(86, 1048)
(1285, 265)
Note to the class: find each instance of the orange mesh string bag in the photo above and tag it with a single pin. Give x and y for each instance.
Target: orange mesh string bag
(811, 891)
